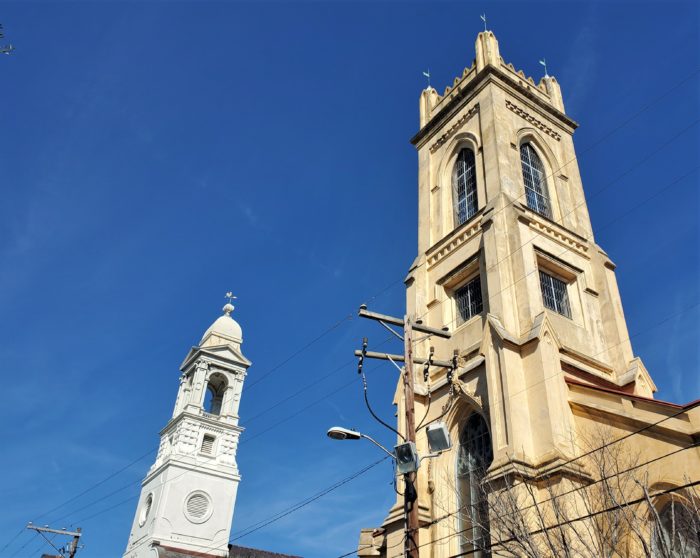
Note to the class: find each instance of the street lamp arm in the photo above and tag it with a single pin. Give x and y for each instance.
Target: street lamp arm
(389, 453)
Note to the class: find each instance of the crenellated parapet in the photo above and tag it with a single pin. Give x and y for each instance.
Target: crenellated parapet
(488, 58)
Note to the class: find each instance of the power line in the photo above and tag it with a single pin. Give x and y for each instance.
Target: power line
(306, 346)
(629, 469)
(150, 452)
(128, 485)
(294, 508)
(289, 418)
(264, 523)
(487, 405)
(587, 516)
(25, 545)
(539, 503)
(590, 237)
(349, 317)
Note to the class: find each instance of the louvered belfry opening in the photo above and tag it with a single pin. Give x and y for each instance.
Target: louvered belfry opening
(208, 444)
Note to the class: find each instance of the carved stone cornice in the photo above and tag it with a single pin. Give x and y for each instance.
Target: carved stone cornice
(532, 120)
(449, 132)
(454, 242)
(553, 466)
(554, 231)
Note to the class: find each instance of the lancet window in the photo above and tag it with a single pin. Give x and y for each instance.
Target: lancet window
(535, 181)
(474, 458)
(464, 187)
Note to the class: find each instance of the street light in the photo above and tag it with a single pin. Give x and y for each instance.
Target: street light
(340, 433)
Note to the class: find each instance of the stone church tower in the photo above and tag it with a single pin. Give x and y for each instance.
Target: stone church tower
(188, 496)
(508, 262)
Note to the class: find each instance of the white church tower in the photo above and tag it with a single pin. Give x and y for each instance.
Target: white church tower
(187, 498)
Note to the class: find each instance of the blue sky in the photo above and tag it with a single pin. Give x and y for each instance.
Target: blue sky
(158, 154)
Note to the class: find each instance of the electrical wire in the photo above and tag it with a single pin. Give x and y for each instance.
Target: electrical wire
(284, 513)
(264, 523)
(337, 324)
(350, 383)
(493, 266)
(25, 545)
(248, 439)
(587, 516)
(629, 469)
(288, 418)
(371, 411)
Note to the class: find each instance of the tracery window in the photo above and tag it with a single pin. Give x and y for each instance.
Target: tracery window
(678, 534)
(474, 458)
(464, 187)
(535, 181)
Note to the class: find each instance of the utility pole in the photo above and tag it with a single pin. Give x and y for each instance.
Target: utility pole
(412, 520)
(410, 505)
(71, 548)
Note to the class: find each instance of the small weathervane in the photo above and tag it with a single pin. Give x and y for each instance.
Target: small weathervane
(483, 18)
(230, 297)
(544, 63)
(427, 75)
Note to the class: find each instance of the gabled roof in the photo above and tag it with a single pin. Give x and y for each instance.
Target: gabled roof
(227, 353)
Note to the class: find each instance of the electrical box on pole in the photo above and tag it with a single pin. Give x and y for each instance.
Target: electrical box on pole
(406, 454)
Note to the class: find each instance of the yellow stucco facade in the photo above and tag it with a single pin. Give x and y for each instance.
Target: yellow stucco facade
(508, 262)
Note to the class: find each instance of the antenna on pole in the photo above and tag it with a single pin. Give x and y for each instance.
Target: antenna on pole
(483, 18)
(544, 63)
(427, 75)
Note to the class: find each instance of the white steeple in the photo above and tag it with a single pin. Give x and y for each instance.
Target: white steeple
(188, 496)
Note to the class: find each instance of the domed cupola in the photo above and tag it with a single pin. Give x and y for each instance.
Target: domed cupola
(225, 330)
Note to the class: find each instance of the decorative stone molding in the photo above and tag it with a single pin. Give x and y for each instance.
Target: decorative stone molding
(554, 232)
(454, 243)
(534, 121)
(449, 132)
(462, 389)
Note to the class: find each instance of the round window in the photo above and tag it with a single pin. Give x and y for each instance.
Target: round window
(198, 507)
(145, 510)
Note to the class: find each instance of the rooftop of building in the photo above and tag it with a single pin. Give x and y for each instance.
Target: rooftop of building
(234, 551)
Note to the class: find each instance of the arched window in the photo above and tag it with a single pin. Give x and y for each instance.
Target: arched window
(678, 534)
(464, 187)
(474, 458)
(535, 181)
(214, 395)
